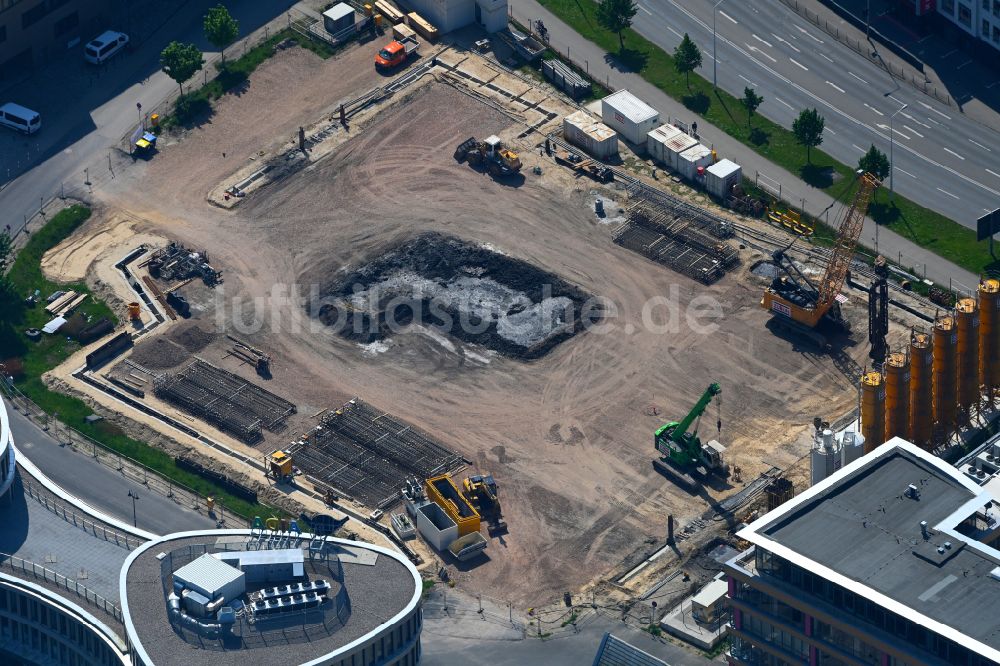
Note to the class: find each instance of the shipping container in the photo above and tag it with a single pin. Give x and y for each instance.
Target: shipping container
(721, 177)
(596, 138)
(338, 18)
(692, 158)
(629, 116)
(674, 147)
(656, 142)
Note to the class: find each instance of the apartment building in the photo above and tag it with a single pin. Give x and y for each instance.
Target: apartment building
(977, 18)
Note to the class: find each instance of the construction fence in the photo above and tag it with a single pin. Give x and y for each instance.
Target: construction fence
(127, 467)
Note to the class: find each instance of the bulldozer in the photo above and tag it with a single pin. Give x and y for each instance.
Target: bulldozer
(482, 492)
(499, 160)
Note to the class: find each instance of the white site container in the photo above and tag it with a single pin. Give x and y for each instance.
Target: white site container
(629, 116)
(596, 138)
(721, 177)
(657, 140)
(674, 147)
(692, 158)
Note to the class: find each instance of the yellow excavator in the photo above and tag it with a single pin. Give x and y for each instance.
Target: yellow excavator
(499, 160)
(482, 492)
(800, 307)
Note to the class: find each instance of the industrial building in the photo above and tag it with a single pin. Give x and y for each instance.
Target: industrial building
(448, 15)
(7, 464)
(257, 596)
(33, 32)
(891, 560)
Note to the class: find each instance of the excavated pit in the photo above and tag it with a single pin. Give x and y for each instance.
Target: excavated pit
(467, 291)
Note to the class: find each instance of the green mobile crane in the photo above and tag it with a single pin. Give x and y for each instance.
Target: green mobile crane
(683, 452)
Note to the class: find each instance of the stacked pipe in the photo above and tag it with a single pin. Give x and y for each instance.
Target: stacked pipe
(872, 410)
(921, 383)
(945, 341)
(989, 336)
(897, 395)
(967, 325)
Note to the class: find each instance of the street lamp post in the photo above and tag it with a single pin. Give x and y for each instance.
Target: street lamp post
(891, 142)
(134, 497)
(715, 53)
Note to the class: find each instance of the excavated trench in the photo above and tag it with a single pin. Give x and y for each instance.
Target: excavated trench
(464, 290)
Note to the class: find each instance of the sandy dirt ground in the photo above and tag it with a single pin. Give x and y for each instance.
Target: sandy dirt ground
(569, 435)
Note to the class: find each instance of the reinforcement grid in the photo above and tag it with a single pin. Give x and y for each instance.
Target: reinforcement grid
(669, 240)
(225, 399)
(367, 454)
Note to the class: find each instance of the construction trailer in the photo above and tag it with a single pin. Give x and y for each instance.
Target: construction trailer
(629, 116)
(691, 164)
(596, 138)
(722, 177)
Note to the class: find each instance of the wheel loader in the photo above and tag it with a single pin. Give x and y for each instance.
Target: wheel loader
(499, 160)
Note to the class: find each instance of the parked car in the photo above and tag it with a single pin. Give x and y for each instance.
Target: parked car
(20, 118)
(104, 46)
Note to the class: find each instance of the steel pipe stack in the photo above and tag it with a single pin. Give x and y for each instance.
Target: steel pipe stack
(872, 409)
(989, 336)
(967, 325)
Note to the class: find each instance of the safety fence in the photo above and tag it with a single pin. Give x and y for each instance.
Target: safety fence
(127, 467)
(62, 510)
(18, 565)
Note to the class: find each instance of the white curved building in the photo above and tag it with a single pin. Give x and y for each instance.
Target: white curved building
(7, 465)
(198, 598)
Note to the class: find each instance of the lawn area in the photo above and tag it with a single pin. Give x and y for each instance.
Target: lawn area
(197, 104)
(25, 277)
(924, 227)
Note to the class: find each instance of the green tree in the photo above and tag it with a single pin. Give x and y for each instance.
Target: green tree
(180, 62)
(875, 162)
(9, 301)
(808, 130)
(750, 101)
(687, 58)
(616, 16)
(221, 28)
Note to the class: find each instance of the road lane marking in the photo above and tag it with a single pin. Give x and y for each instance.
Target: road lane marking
(858, 78)
(957, 173)
(949, 150)
(859, 148)
(827, 57)
(905, 171)
(762, 41)
(808, 34)
(933, 121)
(827, 129)
(993, 84)
(778, 99)
(835, 86)
(873, 108)
(757, 50)
(952, 52)
(675, 32)
(895, 99)
(967, 62)
(931, 108)
(947, 192)
(980, 145)
(729, 17)
(914, 131)
(645, 10)
(786, 42)
(752, 84)
(886, 127)
(796, 62)
(990, 171)
(906, 115)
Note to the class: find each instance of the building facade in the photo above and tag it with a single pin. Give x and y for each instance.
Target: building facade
(891, 561)
(32, 32)
(7, 464)
(979, 19)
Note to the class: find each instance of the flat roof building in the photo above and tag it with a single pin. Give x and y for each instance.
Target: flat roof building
(891, 560)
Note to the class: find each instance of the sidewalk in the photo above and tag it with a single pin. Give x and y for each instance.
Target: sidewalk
(969, 88)
(816, 202)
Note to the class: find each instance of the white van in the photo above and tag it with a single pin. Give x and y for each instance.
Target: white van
(104, 46)
(17, 117)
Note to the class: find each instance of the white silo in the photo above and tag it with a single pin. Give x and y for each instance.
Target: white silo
(852, 446)
(825, 458)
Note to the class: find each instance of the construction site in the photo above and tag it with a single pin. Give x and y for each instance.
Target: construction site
(405, 316)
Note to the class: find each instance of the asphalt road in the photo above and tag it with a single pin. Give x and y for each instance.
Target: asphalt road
(944, 161)
(100, 486)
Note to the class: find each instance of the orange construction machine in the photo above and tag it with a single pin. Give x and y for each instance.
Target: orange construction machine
(396, 52)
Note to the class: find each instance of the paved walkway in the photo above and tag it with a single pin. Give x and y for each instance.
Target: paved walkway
(602, 67)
